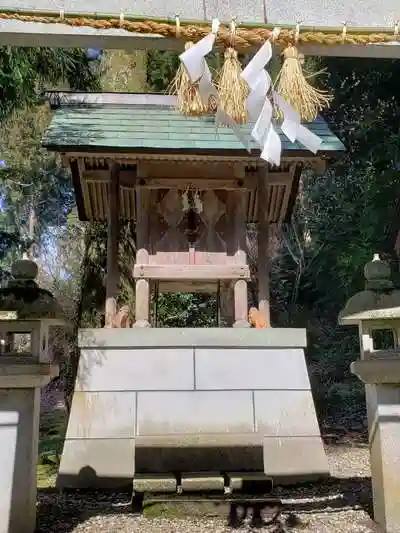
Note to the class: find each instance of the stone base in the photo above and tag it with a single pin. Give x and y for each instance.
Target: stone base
(383, 407)
(20, 383)
(385, 473)
(205, 401)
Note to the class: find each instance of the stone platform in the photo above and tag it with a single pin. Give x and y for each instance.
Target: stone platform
(21, 378)
(160, 405)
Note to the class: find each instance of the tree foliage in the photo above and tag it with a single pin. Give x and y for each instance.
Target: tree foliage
(161, 68)
(26, 72)
(342, 218)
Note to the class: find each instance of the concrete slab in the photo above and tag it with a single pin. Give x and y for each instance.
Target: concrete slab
(206, 407)
(294, 456)
(97, 463)
(285, 414)
(385, 458)
(242, 480)
(193, 337)
(163, 413)
(135, 369)
(154, 483)
(8, 451)
(19, 431)
(196, 482)
(245, 368)
(102, 415)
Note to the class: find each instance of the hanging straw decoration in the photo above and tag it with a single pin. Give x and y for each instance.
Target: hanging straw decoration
(232, 89)
(189, 101)
(293, 86)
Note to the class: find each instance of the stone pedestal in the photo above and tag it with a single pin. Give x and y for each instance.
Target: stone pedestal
(20, 383)
(26, 314)
(376, 312)
(382, 375)
(164, 406)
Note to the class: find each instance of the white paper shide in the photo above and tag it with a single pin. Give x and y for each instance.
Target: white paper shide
(260, 104)
(195, 63)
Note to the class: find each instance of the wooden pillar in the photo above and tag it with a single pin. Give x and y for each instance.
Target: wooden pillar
(240, 303)
(142, 285)
(142, 294)
(226, 305)
(236, 211)
(112, 278)
(142, 217)
(263, 244)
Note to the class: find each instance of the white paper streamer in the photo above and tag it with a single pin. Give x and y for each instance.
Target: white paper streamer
(291, 119)
(195, 63)
(206, 86)
(251, 72)
(308, 139)
(263, 123)
(272, 147)
(259, 107)
(258, 79)
(193, 57)
(255, 100)
(260, 110)
(198, 70)
(293, 129)
(222, 118)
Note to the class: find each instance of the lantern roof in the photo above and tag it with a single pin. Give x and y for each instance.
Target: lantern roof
(23, 297)
(380, 301)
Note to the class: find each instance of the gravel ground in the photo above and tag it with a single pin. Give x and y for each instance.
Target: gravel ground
(340, 505)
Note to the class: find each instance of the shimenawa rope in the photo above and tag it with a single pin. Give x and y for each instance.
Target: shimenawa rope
(244, 37)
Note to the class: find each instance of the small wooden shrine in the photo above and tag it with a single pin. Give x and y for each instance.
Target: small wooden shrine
(191, 190)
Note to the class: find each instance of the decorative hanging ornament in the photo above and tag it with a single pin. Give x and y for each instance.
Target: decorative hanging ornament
(294, 88)
(232, 89)
(261, 110)
(203, 95)
(191, 200)
(188, 99)
(259, 106)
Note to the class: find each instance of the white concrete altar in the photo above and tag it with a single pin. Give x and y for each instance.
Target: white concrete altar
(152, 402)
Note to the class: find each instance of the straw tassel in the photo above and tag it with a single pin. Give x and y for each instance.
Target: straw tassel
(189, 101)
(232, 90)
(293, 86)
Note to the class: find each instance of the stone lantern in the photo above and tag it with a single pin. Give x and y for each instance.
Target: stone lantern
(27, 312)
(376, 312)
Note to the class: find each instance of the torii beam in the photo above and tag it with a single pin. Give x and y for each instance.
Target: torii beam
(362, 16)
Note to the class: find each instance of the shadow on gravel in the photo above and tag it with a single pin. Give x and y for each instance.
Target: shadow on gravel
(63, 512)
(335, 494)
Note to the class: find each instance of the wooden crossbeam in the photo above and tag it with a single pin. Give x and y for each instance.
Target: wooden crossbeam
(191, 272)
(128, 179)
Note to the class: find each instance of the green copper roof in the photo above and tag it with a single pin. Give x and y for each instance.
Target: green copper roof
(133, 127)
